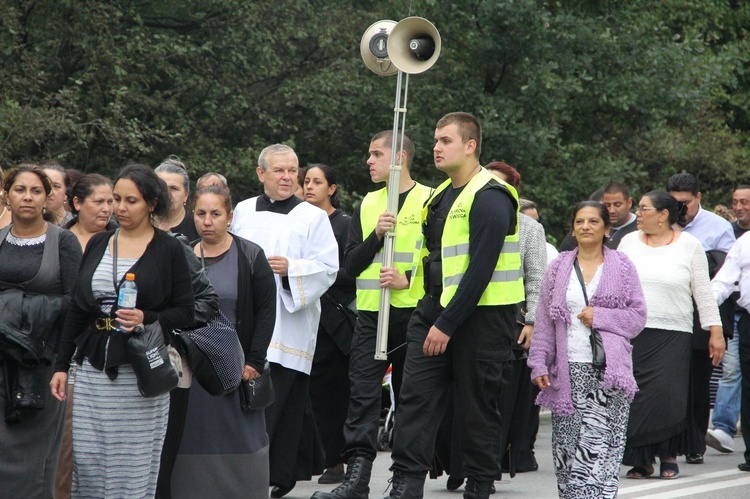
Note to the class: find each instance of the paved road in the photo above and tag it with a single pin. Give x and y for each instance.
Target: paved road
(717, 478)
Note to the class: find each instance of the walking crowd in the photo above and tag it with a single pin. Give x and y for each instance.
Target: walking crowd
(618, 334)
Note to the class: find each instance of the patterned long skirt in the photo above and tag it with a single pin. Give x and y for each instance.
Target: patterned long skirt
(117, 435)
(587, 446)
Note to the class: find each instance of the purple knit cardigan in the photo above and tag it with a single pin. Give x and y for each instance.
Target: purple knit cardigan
(619, 316)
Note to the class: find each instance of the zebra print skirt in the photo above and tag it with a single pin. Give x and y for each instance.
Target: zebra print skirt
(588, 445)
(117, 435)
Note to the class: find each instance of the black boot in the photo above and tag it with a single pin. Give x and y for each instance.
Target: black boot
(405, 486)
(478, 490)
(356, 481)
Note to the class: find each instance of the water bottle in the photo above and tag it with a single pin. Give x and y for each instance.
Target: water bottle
(127, 296)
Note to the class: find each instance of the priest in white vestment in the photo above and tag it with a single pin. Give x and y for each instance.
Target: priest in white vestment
(300, 246)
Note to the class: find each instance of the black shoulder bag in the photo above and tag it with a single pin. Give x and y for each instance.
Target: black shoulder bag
(147, 352)
(598, 360)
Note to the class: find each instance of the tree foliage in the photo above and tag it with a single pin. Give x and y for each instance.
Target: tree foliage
(575, 94)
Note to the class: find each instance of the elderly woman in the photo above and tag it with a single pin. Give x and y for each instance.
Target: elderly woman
(38, 266)
(91, 205)
(588, 287)
(173, 172)
(58, 198)
(674, 271)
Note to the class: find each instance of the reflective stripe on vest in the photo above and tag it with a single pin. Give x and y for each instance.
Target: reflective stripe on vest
(408, 231)
(506, 284)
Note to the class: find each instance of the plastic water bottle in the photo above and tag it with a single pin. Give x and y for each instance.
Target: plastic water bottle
(128, 294)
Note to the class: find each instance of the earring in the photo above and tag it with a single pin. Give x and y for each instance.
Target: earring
(151, 217)
(660, 224)
(44, 210)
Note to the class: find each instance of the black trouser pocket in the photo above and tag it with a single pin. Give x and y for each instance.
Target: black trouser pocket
(492, 374)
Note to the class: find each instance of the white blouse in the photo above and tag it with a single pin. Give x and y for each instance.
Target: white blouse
(671, 276)
(579, 342)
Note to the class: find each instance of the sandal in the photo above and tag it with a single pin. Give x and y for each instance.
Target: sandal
(669, 471)
(638, 473)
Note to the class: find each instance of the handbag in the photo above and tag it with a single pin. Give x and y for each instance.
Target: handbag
(214, 354)
(598, 360)
(257, 394)
(147, 352)
(149, 356)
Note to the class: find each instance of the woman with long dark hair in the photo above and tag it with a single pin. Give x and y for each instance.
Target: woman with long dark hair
(329, 378)
(674, 272)
(117, 433)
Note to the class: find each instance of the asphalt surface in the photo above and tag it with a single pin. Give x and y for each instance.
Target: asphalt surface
(717, 478)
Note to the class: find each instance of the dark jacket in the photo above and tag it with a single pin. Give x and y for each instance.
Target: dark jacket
(336, 319)
(31, 320)
(165, 294)
(256, 302)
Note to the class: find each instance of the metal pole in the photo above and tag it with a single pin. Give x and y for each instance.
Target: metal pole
(394, 181)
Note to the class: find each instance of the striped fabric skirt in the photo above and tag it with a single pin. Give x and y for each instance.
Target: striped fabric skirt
(588, 445)
(117, 435)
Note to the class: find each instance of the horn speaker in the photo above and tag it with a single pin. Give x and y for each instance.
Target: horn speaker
(374, 48)
(414, 45)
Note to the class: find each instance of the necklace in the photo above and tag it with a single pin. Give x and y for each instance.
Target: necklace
(218, 249)
(670, 240)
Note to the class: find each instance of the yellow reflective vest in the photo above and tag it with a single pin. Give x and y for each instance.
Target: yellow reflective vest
(506, 284)
(408, 232)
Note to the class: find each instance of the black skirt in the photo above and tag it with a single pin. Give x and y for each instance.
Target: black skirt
(658, 414)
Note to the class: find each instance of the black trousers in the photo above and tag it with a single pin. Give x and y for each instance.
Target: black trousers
(478, 361)
(699, 401)
(743, 328)
(516, 405)
(329, 394)
(366, 379)
(295, 450)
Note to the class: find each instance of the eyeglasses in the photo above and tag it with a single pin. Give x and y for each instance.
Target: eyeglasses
(645, 208)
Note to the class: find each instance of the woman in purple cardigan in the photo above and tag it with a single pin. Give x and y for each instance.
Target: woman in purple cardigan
(589, 405)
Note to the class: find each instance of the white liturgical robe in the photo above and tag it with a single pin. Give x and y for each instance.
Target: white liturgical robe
(304, 236)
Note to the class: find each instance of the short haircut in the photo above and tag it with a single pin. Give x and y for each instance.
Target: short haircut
(617, 188)
(208, 175)
(173, 165)
(271, 150)
(742, 187)
(526, 204)
(683, 182)
(597, 196)
(514, 178)
(387, 135)
(468, 128)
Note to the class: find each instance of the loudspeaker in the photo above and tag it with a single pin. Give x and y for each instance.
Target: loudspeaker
(414, 45)
(374, 48)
